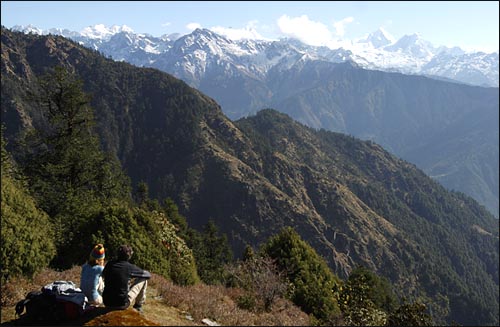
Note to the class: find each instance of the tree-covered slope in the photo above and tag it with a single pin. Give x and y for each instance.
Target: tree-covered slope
(382, 211)
(448, 130)
(351, 200)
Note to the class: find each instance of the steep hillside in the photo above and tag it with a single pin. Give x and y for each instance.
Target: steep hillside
(448, 130)
(351, 200)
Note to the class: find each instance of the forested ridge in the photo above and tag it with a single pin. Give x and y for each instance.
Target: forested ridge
(129, 154)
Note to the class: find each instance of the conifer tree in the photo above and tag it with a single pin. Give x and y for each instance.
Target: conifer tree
(379, 289)
(68, 174)
(211, 251)
(63, 156)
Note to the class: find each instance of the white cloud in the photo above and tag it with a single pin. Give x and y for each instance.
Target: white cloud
(340, 26)
(304, 29)
(166, 24)
(193, 26)
(247, 32)
(315, 33)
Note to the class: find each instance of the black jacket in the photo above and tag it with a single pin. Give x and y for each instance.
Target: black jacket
(117, 274)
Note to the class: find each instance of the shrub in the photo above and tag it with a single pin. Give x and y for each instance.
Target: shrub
(116, 223)
(182, 263)
(219, 303)
(27, 234)
(410, 314)
(261, 280)
(312, 280)
(366, 298)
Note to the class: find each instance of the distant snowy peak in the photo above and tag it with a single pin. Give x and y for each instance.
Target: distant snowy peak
(170, 37)
(474, 68)
(454, 51)
(413, 45)
(205, 32)
(29, 29)
(101, 32)
(378, 39)
(64, 32)
(203, 39)
(96, 32)
(129, 40)
(213, 44)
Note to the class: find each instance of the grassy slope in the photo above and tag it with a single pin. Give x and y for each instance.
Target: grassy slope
(166, 305)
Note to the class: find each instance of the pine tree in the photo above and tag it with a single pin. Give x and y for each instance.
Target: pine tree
(69, 175)
(379, 289)
(141, 193)
(211, 251)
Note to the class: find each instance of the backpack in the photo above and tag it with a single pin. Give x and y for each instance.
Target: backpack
(40, 308)
(56, 302)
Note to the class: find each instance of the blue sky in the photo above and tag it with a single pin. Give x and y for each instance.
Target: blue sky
(468, 24)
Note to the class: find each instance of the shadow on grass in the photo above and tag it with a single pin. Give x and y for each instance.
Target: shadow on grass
(83, 320)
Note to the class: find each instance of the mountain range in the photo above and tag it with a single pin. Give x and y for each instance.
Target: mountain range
(353, 201)
(449, 131)
(410, 54)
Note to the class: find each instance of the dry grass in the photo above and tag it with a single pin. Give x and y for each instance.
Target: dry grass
(219, 304)
(17, 288)
(167, 304)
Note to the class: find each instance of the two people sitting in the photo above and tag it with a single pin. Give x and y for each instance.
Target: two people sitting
(116, 284)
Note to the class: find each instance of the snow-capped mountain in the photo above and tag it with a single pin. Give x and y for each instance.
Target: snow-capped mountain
(378, 39)
(192, 56)
(476, 68)
(102, 32)
(413, 45)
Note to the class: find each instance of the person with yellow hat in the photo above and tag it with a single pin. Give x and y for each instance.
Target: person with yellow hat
(91, 281)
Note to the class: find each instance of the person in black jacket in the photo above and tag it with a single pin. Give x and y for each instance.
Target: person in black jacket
(124, 283)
